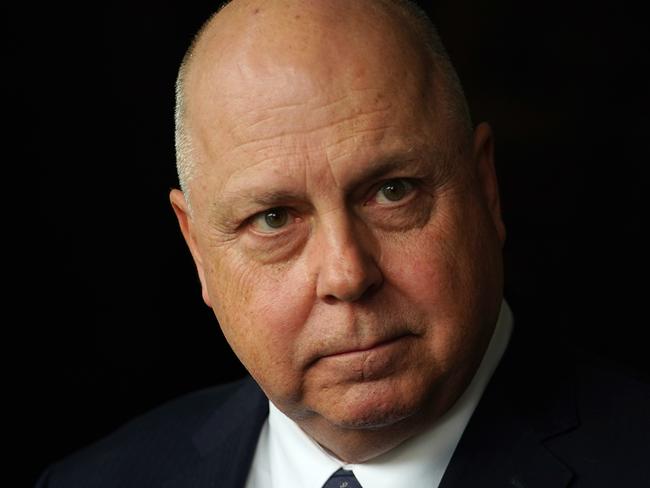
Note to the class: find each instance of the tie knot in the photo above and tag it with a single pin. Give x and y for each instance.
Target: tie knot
(342, 479)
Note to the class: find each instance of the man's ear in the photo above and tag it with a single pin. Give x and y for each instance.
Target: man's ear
(484, 161)
(177, 199)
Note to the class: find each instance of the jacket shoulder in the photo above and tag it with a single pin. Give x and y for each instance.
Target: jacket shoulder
(609, 447)
(145, 450)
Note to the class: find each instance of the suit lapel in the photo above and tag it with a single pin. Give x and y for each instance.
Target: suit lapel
(226, 442)
(526, 403)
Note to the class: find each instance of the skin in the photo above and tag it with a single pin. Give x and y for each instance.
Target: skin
(362, 318)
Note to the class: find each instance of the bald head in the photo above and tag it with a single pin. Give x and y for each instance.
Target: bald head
(314, 42)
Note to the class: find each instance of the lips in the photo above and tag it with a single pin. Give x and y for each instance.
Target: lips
(368, 346)
(370, 361)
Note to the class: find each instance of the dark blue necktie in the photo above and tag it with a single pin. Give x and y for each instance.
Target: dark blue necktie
(342, 479)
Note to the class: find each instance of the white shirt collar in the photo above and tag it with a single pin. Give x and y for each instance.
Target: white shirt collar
(286, 456)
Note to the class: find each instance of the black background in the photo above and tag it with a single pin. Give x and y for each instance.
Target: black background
(106, 295)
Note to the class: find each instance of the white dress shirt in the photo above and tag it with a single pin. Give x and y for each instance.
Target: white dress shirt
(287, 456)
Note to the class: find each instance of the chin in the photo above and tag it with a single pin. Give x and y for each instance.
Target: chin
(372, 410)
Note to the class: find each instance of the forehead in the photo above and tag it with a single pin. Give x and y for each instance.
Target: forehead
(332, 100)
(293, 127)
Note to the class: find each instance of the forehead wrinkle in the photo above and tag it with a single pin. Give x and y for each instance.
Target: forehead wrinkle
(250, 181)
(303, 146)
(322, 125)
(399, 160)
(267, 115)
(358, 134)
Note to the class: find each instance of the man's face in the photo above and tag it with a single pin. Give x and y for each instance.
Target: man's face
(347, 235)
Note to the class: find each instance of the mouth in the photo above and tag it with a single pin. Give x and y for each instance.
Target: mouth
(369, 361)
(372, 346)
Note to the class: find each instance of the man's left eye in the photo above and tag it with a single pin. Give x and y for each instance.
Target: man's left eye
(393, 191)
(272, 220)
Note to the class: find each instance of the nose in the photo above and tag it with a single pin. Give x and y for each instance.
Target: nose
(347, 270)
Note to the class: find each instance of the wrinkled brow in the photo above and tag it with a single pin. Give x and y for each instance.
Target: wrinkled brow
(229, 206)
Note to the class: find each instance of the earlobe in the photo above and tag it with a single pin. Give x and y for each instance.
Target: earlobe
(179, 205)
(484, 159)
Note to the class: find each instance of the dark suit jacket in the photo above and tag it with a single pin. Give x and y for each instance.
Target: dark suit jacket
(545, 420)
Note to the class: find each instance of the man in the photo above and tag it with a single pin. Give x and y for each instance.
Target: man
(344, 218)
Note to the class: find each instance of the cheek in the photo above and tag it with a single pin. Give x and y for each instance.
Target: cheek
(450, 259)
(261, 311)
(435, 273)
(423, 267)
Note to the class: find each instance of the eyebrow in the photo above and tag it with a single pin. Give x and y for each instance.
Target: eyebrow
(261, 197)
(229, 208)
(415, 162)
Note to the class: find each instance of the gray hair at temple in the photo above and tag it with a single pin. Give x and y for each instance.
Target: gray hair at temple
(423, 26)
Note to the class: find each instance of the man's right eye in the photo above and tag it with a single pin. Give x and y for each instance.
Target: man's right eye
(271, 220)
